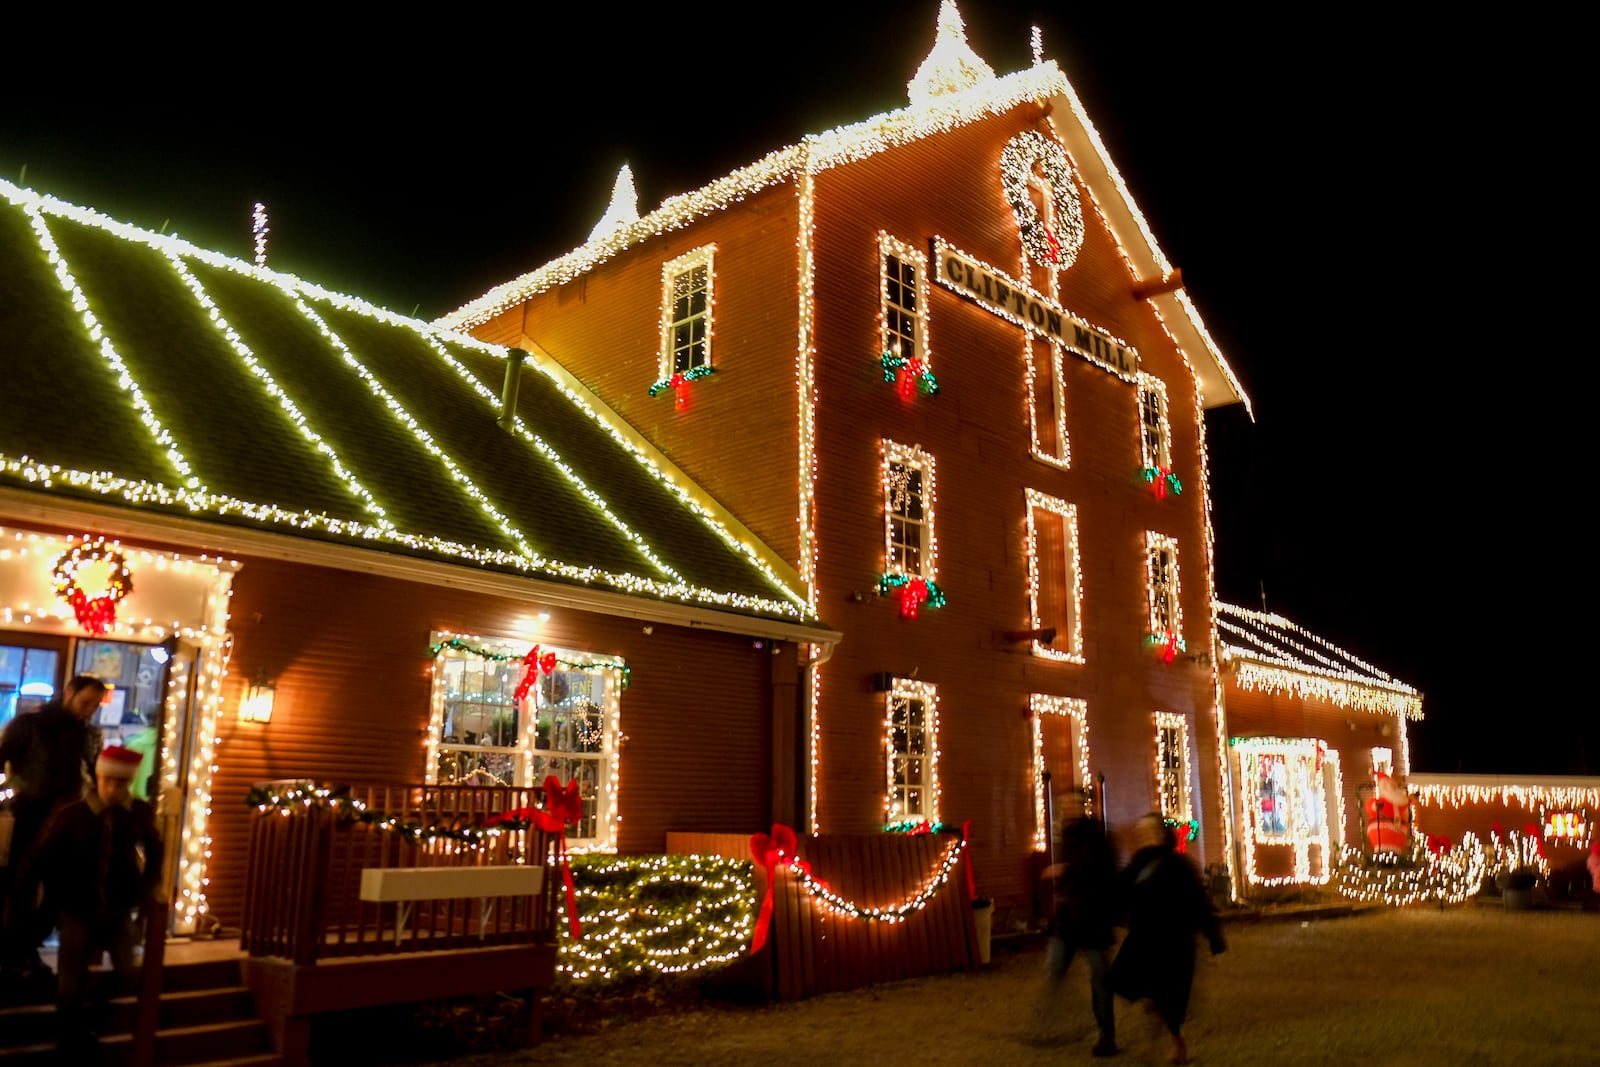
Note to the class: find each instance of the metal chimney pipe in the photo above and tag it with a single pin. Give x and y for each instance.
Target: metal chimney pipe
(508, 394)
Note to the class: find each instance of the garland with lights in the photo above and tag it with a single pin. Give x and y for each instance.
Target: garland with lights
(1027, 154)
(916, 827)
(914, 592)
(1163, 481)
(679, 381)
(98, 613)
(781, 848)
(456, 644)
(1167, 645)
(908, 376)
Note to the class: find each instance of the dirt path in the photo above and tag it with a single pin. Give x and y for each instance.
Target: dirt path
(1467, 985)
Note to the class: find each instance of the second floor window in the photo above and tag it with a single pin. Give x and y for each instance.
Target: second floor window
(686, 312)
(1055, 587)
(1155, 434)
(908, 512)
(1161, 572)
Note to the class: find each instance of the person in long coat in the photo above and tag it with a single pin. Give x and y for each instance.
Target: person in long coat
(1085, 913)
(1167, 909)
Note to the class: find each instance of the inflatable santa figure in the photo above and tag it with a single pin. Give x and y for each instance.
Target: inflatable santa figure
(1387, 815)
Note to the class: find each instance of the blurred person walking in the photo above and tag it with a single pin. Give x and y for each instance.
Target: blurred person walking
(1167, 908)
(48, 758)
(1084, 913)
(99, 861)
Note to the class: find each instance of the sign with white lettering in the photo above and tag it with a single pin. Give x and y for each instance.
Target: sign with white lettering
(1016, 302)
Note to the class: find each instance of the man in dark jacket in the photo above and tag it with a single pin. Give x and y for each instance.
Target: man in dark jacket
(48, 757)
(1085, 911)
(99, 860)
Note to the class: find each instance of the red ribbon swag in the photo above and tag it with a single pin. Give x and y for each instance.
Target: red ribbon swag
(782, 847)
(562, 806)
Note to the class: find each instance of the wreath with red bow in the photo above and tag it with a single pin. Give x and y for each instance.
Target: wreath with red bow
(97, 613)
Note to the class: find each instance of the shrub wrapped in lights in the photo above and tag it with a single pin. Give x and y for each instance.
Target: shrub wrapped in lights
(1431, 872)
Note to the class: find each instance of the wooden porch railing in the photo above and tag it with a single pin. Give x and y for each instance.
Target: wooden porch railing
(303, 878)
(314, 945)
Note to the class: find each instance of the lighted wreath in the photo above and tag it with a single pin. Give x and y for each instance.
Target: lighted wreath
(1023, 155)
(96, 610)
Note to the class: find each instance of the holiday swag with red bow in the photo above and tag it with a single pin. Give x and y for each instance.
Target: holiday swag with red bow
(782, 848)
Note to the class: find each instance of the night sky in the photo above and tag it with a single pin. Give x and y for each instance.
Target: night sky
(1371, 211)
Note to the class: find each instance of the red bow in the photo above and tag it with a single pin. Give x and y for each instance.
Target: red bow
(680, 389)
(1055, 245)
(562, 805)
(96, 614)
(912, 595)
(1169, 650)
(533, 663)
(771, 852)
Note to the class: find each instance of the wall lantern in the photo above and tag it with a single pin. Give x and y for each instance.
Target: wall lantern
(256, 706)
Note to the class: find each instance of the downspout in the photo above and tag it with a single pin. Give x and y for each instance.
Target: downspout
(808, 723)
(508, 393)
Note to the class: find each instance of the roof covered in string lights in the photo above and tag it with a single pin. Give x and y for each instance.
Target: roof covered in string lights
(952, 88)
(143, 372)
(1266, 652)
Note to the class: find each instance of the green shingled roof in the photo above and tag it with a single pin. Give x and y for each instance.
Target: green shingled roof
(142, 371)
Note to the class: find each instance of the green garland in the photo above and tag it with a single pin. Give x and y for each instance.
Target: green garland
(455, 644)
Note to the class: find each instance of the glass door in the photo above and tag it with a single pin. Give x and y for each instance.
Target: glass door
(30, 672)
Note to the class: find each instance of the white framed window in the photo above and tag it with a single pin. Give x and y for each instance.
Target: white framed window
(911, 747)
(1173, 791)
(1155, 432)
(903, 300)
(686, 290)
(505, 712)
(1055, 582)
(909, 546)
(1286, 787)
(1161, 575)
(1060, 747)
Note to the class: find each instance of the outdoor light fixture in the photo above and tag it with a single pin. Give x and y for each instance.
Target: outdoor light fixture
(257, 703)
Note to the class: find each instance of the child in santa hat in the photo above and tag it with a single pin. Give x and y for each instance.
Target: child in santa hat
(99, 860)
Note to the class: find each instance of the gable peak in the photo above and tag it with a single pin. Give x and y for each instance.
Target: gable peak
(952, 66)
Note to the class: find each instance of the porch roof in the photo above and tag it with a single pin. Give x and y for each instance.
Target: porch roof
(156, 377)
(1265, 651)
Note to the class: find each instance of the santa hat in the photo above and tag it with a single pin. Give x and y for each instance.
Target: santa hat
(117, 762)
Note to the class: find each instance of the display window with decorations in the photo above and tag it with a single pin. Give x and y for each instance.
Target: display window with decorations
(1291, 806)
(510, 713)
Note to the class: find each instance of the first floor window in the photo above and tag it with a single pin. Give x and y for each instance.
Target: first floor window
(503, 718)
(1172, 767)
(911, 746)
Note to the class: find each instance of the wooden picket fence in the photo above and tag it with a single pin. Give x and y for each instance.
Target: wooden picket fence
(815, 947)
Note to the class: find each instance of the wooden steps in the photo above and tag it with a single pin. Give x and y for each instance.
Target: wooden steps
(207, 1019)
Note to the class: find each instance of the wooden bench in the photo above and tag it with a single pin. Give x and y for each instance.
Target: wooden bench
(405, 886)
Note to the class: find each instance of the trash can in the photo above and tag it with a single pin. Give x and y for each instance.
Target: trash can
(982, 922)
